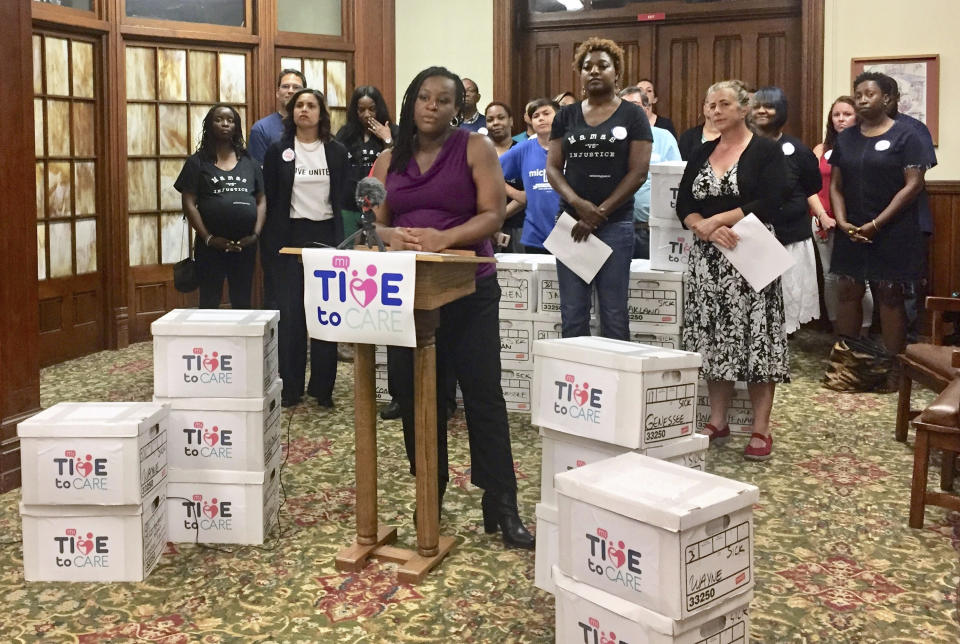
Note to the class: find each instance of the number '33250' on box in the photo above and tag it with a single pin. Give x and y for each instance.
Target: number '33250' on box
(665, 537)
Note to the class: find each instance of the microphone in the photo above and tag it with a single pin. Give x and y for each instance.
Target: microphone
(370, 193)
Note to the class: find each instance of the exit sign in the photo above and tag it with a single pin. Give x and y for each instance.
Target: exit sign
(650, 17)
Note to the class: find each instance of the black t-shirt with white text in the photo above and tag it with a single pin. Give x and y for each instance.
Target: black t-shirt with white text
(596, 158)
(226, 199)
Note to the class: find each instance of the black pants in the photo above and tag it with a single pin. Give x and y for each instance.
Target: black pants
(468, 344)
(288, 286)
(267, 263)
(214, 265)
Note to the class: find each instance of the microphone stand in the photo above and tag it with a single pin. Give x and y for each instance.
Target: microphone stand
(367, 232)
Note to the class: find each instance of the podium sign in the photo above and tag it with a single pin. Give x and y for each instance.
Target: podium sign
(359, 296)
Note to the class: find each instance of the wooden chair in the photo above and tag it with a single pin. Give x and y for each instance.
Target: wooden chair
(939, 427)
(930, 364)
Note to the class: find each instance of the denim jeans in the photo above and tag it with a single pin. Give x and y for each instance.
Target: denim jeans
(641, 240)
(611, 282)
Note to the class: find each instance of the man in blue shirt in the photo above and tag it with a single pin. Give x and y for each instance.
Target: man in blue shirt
(664, 149)
(527, 162)
(270, 128)
(472, 119)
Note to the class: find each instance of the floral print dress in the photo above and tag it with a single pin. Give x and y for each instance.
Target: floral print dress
(738, 332)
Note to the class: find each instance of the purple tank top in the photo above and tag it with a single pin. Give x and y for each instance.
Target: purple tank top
(442, 198)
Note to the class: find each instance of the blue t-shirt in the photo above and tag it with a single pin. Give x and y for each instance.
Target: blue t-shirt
(481, 122)
(923, 200)
(527, 161)
(262, 134)
(665, 148)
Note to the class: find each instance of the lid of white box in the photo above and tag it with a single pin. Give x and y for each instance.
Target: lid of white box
(243, 477)
(615, 354)
(214, 322)
(548, 512)
(656, 492)
(640, 269)
(523, 261)
(159, 492)
(639, 614)
(223, 404)
(93, 420)
(679, 446)
(668, 167)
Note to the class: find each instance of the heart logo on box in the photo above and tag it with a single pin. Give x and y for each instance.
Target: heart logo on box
(211, 509)
(84, 468)
(211, 438)
(85, 545)
(363, 291)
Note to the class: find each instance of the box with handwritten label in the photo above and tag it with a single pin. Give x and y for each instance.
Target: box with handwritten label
(93, 453)
(516, 340)
(516, 385)
(739, 411)
(666, 340)
(614, 391)
(654, 299)
(516, 274)
(214, 353)
(588, 614)
(562, 452)
(672, 539)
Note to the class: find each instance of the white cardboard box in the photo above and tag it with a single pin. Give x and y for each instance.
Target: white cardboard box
(382, 383)
(670, 246)
(548, 543)
(563, 452)
(516, 274)
(94, 543)
(664, 340)
(739, 413)
(671, 539)
(614, 391)
(548, 290)
(516, 340)
(234, 434)
(516, 384)
(223, 507)
(93, 453)
(664, 187)
(654, 299)
(214, 353)
(587, 614)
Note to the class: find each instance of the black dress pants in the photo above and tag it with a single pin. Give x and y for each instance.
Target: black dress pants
(288, 286)
(468, 347)
(214, 265)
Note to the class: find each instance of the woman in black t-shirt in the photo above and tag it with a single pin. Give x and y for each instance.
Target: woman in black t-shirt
(368, 132)
(598, 158)
(222, 197)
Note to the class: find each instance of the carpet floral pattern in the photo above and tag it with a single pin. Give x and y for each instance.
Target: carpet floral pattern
(835, 560)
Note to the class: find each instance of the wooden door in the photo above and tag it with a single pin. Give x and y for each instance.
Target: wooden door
(67, 114)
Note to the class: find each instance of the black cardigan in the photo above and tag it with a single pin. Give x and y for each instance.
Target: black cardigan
(761, 178)
(278, 187)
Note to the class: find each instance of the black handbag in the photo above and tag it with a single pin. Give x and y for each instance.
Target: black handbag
(185, 278)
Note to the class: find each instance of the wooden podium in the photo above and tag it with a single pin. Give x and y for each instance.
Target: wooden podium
(440, 279)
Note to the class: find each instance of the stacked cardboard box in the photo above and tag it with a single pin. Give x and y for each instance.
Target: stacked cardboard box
(596, 398)
(670, 243)
(94, 485)
(653, 551)
(216, 370)
(739, 413)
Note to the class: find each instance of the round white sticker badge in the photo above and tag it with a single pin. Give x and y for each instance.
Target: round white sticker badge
(788, 148)
(287, 155)
(619, 133)
(828, 154)
(880, 146)
(482, 131)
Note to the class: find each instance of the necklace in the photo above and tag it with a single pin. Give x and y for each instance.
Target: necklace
(472, 120)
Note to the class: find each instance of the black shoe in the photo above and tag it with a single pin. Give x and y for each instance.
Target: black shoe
(289, 401)
(327, 403)
(391, 411)
(500, 511)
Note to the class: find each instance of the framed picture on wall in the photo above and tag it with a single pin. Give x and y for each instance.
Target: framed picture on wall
(919, 80)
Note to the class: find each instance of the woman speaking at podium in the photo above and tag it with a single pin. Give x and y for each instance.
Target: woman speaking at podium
(305, 175)
(445, 190)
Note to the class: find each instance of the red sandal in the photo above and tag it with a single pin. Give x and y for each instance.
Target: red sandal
(716, 436)
(752, 453)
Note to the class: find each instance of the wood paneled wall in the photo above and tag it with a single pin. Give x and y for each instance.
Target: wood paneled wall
(945, 245)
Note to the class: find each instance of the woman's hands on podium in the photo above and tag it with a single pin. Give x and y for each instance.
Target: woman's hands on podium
(428, 240)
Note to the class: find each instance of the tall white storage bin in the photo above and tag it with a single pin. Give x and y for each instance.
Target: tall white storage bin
(671, 539)
(614, 391)
(670, 243)
(214, 353)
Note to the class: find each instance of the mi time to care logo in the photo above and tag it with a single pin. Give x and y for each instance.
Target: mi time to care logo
(85, 472)
(611, 558)
(78, 549)
(206, 367)
(208, 442)
(208, 515)
(593, 634)
(579, 401)
(340, 282)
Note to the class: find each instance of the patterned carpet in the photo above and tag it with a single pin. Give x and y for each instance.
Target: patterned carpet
(835, 559)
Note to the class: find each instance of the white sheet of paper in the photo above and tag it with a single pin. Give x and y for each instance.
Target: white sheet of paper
(583, 258)
(758, 256)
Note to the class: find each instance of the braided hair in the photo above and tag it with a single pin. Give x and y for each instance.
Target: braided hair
(403, 147)
(206, 148)
(354, 129)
